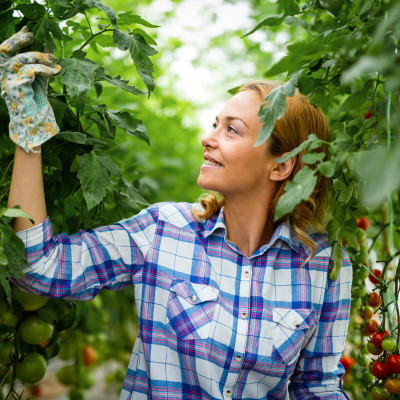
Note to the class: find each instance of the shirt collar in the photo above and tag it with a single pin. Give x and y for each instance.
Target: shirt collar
(284, 231)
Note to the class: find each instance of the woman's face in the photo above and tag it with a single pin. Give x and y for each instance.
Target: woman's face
(232, 165)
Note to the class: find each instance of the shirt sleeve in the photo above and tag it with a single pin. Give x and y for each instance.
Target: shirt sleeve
(318, 373)
(78, 266)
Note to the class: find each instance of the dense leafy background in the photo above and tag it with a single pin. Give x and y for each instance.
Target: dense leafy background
(342, 55)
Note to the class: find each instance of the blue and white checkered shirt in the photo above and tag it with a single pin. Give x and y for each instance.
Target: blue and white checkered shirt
(213, 323)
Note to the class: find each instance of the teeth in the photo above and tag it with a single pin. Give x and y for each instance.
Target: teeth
(208, 162)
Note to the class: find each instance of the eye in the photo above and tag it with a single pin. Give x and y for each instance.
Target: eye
(231, 129)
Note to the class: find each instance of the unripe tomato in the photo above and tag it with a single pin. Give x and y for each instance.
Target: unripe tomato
(361, 257)
(347, 362)
(67, 375)
(32, 368)
(375, 276)
(28, 301)
(76, 394)
(34, 330)
(377, 338)
(8, 318)
(361, 235)
(388, 344)
(373, 349)
(360, 291)
(371, 328)
(363, 223)
(367, 310)
(393, 385)
(89, 355)
(379, 393)
(374, 299)
(393, 364)
(380, 370)
(7, 352)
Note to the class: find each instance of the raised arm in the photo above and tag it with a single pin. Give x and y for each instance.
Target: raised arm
(27, 188)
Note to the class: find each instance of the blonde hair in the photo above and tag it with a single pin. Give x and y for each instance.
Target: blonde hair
(300, 120)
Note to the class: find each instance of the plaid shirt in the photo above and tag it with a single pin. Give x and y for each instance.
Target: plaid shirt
(213, 323)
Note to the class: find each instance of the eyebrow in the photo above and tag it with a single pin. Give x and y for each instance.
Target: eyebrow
(230, 118)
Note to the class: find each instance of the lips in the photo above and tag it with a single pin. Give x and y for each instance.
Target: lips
(211, 161)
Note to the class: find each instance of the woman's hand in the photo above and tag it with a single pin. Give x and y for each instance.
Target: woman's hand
(24, 88)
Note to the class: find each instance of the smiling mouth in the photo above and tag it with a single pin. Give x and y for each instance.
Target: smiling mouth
(209, 162)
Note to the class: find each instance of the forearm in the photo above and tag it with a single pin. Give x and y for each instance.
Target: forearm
(27, 188)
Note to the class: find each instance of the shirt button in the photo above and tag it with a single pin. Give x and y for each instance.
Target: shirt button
(246, 274)
(297, 324)
(193, 298)
(228, 393)
(243, 315)
(238, 358)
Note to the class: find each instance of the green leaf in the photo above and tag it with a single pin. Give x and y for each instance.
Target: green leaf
(104, 40)
(94, 178)
(112, 16)
(78, 75)
(337, 260)
(272, 20)
(127, 197)
(128, 18)
(110, 166)
(274, 107)
(127, 122)
(290, 7)
(345, 193)
(333, 6)
(333, 230)
(14, 213)
(59, 108)
(327, 168)
(294, 152)
(140, 52)
(79, 138)
(312, 158)
(117, 81)
(32, 11)
(378, 171)
(299, 189)
(349, 234)
(353, 102)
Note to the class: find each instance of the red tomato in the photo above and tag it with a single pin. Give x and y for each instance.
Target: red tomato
(373, 349)
(377, 338)
(363, 223)
(36, 390)
(375, 276)
(393, 364)
(392, 385)
(380, 370)
(368, 114)
(374, 300)
(347, 362)
(371, 328)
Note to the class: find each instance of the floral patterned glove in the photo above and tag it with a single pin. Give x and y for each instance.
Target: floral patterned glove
(24, 88)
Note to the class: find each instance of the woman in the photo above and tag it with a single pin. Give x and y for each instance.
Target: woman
(230, 304)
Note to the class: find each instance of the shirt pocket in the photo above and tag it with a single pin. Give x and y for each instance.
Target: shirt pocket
(290, 329)
(190, 309)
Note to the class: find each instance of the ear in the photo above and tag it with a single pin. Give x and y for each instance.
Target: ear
(281, 171)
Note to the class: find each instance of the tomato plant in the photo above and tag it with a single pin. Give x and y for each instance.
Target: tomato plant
(32, 368)
(33, 330)
(392, 385)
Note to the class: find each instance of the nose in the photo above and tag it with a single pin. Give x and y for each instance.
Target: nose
(210, 139)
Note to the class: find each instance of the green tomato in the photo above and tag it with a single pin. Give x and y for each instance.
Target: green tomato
(379, 393)
(356, 303)
(32, 368)
(388, 344)
(359, 291)
(8, 318)
(361, 257)
(7, 352)
(361, 234)
(34, 330)
(28, 301)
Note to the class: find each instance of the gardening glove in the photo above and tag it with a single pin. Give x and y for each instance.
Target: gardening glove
(24, 79)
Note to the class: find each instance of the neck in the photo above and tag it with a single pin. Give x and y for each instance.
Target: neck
(248, 223)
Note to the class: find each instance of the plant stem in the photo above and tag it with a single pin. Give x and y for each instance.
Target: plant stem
(94, 35)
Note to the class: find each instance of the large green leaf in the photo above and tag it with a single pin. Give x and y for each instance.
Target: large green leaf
(78, 75)
(94, 178)
(128, 18)
(274, 107)
(272, 20)
(103, 7)
(337, 257)
(126, 121)
(140, 52)
(299, 189)
(117, 81)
